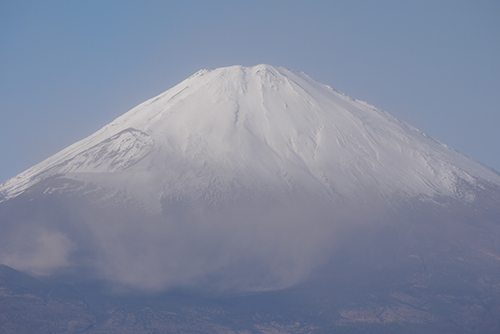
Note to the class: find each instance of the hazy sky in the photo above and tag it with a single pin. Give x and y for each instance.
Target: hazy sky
(67, 68)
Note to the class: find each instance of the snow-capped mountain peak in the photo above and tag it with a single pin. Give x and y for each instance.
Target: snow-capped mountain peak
(260, 129)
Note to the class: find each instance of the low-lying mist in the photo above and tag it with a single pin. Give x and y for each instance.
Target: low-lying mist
(244, 246)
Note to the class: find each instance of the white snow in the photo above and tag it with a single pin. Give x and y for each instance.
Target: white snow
(257, 129)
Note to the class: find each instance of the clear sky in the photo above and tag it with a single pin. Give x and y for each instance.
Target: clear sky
(67, 68)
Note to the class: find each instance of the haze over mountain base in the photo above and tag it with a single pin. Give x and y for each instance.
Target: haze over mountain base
(247, 244)
(430, 269)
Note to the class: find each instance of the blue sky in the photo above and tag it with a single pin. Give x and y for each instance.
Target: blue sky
(67, 68)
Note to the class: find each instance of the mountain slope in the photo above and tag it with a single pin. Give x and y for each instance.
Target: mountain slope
(260, 129)
(262, 185)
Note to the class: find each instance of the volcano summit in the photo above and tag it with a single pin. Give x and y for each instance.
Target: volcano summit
(255, 179)
(261, 130)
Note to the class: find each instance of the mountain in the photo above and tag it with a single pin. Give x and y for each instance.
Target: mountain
(260, 129)
(259, 185)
